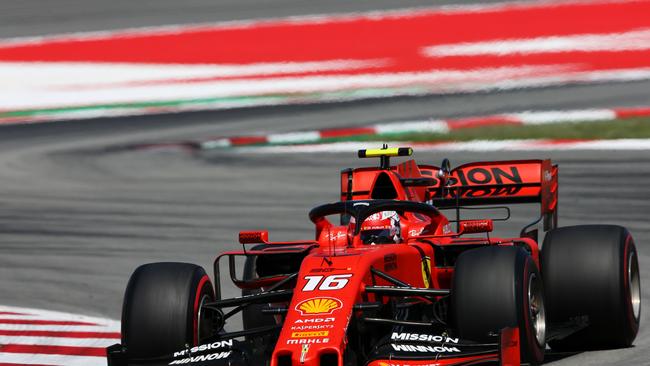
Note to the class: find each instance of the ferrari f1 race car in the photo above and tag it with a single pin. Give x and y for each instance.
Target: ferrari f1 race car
(390, 280)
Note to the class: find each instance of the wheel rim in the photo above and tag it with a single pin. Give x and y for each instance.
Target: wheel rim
(634, 284)
(202, 322)
(536, 309)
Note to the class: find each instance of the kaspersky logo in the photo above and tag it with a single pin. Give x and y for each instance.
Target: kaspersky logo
(318, 306)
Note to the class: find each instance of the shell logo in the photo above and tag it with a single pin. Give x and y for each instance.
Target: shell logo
(318, 305)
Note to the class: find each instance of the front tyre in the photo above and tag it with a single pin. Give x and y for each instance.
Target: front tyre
(498, 287)
(161, 310)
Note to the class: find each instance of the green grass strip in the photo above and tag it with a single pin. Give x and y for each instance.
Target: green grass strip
(613, 129)
(155, 104)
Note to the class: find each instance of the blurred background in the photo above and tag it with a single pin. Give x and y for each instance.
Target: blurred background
(134, 132)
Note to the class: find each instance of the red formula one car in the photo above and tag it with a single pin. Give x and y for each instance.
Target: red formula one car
(389, 280)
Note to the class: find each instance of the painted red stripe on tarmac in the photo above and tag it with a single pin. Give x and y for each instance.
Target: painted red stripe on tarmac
(481, 122)
(571, 61)
(248, 140)
(10, 120)
(632, 112)
(60, 334)
(304, 74)
(10, 312)
(54, 350)
(43, 322)
(346, 132)
(352, 37)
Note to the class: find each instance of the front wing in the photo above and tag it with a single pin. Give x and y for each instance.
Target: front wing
(398, 349)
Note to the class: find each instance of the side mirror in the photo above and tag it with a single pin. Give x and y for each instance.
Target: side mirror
(253, 237)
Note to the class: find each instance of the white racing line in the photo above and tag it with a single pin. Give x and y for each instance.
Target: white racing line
(42, 337)
(40, 92)
(614, 42)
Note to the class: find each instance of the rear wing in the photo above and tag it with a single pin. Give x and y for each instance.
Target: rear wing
(498, 182)
(473, 184)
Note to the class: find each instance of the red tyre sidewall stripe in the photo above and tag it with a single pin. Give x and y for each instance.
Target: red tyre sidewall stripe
(527, 334)
(197, 302)
(527, 330)
(627, 291)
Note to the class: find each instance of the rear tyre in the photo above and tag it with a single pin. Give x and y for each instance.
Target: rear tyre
(498, 287)
(161, 310)
(593, 271)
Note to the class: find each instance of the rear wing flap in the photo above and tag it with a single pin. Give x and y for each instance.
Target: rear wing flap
(498, 182)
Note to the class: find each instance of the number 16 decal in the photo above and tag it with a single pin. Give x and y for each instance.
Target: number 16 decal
(325, 283)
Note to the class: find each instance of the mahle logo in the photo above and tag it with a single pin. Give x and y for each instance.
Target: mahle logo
(318, 305)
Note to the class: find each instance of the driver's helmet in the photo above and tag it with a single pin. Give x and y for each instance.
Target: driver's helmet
(381, 228)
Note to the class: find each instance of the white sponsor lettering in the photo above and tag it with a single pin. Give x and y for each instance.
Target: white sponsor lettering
(308, 341)
(422, 337)
(315, 320)
(335, 236)
(418, 348)
(205, 347)
(201, 358)
(312, 327)
(331, 282)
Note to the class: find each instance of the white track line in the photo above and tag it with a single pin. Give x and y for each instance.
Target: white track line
(58, 341)
(62, 328)
(325, 90)
(56, 315)
(434, 126)
(287, 138)
(97, 75)
(609, 42)
(63, 360)
(540, 118)
(45, 343)
(45, 97)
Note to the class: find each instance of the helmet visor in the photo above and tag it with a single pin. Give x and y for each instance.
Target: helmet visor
(381, 236)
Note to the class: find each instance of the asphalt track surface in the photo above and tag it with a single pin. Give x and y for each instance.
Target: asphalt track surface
(78, 216)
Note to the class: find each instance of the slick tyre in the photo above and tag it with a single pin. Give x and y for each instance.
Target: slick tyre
(592, 272)
(498, 287)
(161, 311)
